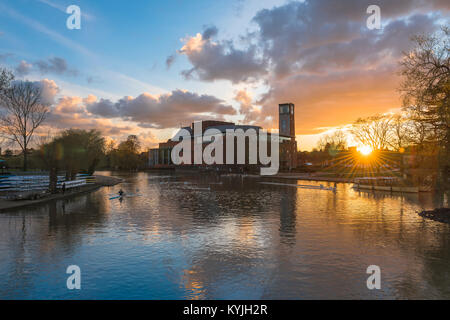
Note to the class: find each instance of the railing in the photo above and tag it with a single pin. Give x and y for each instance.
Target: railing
(40, 182)
(71, 184)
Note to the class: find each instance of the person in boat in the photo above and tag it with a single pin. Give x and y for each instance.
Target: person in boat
(121, 193)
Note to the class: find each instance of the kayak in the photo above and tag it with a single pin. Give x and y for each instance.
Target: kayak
(126, 196)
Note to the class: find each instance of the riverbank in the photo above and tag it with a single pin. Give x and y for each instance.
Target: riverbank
(308, 177)
(100, 181)
(440, 215)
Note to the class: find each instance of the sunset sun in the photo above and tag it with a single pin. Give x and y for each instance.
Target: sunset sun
(365, 150)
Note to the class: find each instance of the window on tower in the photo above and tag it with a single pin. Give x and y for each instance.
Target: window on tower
(284, 109)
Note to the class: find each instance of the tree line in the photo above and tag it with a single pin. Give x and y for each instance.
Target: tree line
(75, 151)
(23, 110)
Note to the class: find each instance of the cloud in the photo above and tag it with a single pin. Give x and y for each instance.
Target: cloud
(5, 56)
(245, 100)
(319, 55)
(93, 79)
(164, 111)
(170, 60)
(71, 112)
(23, 68)
(308, 35)
(49, 90)
(210, 32)
(55, 65)
(148, 139)
(338, 70)
(220, 60)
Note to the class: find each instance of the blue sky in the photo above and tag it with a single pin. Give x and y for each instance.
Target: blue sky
(132, 38)
(121, 47)
(117, 38)
(112, 73)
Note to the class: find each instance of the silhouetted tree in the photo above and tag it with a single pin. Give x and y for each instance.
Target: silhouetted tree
(81, 151)
(373, 131)
(334, 143)
(426, 90)
(126, 156)
(23, 112)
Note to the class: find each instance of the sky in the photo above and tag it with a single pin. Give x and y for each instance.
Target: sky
(149, 67)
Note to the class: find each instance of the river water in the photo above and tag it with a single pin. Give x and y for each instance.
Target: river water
(180, 236)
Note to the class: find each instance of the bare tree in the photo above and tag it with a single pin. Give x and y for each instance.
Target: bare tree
(22, 112)
(336, 141)
(401, 130)
(373, 131)
(426, 91)
(420, 132)
(426, 72)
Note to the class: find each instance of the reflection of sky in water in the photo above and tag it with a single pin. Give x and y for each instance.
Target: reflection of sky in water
(238, 240)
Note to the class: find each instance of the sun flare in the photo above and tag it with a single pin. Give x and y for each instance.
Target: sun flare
(365, 150)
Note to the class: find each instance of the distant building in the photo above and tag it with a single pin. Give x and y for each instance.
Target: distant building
(161, 157)
(288, 144)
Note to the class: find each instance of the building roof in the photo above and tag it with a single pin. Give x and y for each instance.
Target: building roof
(221, 127)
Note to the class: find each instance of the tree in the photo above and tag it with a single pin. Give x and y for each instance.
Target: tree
(110, 149)
(126, 156)
(426, 90)
(72, 150)
(131, 145)
(374, 131)
(333, 143)
(8, 153)
(81, 151)
(6, 77)
(401, 130)
(23, 112)
(50, 154)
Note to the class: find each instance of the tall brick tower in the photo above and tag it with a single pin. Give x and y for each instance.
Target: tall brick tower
(288, 144)
(287, 120)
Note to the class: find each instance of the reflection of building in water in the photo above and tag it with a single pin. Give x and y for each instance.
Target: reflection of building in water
(192, 281)
(161, 157)
(288, 211)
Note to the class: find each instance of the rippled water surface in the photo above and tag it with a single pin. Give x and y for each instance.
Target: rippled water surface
(192, 237)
